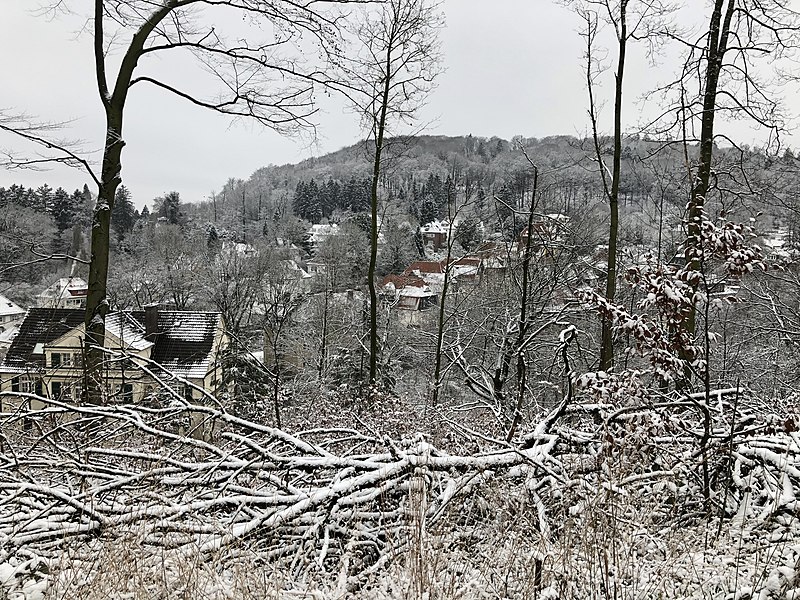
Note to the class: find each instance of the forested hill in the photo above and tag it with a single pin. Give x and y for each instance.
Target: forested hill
(654, 178)
(423, 178)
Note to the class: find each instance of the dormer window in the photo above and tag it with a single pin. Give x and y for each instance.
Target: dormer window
(55, 359)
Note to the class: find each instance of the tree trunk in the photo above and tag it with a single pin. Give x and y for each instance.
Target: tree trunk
(522, 325)
(380, 129)
(110, 178)
(96, 299)
(719, 31)
(437, 369)
(607, 344)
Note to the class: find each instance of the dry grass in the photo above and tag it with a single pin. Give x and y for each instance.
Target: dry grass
(607, 549)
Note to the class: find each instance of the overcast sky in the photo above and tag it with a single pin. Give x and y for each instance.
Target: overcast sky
(511, 67)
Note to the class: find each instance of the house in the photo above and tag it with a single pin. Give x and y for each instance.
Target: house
(435, 234)
(10, 315)
(496, 257)
(321, 232)
(408, 292)
(46, 356)
(545, 233)
(431, 272)
(67, 292)
(467, 268)
(9, 312)
(7, 335)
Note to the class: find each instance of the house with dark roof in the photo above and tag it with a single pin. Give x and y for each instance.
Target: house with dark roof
(10, 315)
(145, 349)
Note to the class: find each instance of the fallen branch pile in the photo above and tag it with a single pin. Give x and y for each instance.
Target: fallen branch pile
(335, 502)
(194, 477)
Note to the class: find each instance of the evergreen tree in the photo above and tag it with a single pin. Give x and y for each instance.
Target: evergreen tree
(123, 215)
(330, 197)
(300, 199)
(306, 203)
(428, 209)
(85, 206)
(63, 210)
(213, 242)
(358, 194)
(44, 198)
(169, 207)
(16, 194)
(468, 233)
(314, 206)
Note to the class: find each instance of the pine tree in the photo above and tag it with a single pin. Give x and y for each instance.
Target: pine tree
(330, 197)
(123, 215)
(16, 194)
(169, 207)
(300, 199)
(44, 198)
(306, 203)
(428, 209)
(358, 193)
(314, 205)
(63, 210)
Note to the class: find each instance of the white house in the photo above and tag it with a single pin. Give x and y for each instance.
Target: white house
(9, 312)
(67, 292)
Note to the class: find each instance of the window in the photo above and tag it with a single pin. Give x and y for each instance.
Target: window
(15, 384)
(56, 390)
(55, 360)
(126, 392)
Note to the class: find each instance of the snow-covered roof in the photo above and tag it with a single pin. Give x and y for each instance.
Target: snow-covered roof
(238, 248)
(461, 270)
(409, 286)
(300, 272)
(8, 334)
(66, 287)
(7, 307)
(319, 232)
(435, 227)
(183, 343)
(416, 292)
(127, 330)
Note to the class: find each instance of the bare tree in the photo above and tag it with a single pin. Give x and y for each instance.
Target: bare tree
(260, 79)
(722, 78)
(389, 80)
(630, 20)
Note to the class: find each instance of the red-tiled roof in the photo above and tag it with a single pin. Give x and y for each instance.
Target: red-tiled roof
(401, 281)
(468, 261)
(424, 266)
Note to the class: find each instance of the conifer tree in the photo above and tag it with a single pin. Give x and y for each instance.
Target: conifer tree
(123, 215)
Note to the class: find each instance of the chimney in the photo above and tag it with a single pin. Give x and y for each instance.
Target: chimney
(151, 321)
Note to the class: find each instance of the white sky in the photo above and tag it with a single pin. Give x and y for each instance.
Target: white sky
(512, 67)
